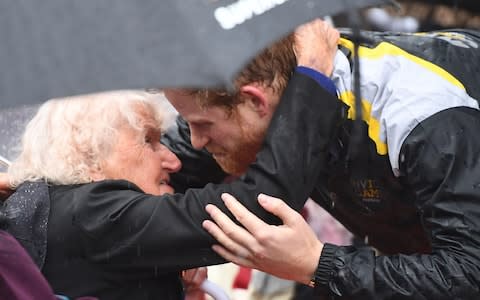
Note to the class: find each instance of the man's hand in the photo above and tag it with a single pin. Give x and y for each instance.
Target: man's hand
(5, 189)
(290, 251)
(192, 279)
(316, 45)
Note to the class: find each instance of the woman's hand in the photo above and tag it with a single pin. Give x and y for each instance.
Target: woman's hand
(192, 279)
(5, 188)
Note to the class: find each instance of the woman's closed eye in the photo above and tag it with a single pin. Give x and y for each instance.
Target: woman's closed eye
(152, 138)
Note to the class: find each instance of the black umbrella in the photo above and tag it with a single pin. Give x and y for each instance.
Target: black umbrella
(53, 48)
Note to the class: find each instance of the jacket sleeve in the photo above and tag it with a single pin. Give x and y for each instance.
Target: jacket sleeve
(166, 232)
(198, 166)
(440, 162)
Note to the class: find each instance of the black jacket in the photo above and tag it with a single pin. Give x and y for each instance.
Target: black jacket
(425, 217)
(421, 206)
(110, 240)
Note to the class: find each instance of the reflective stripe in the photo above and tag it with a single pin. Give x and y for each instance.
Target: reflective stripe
(373, 123)
(384, 48)
(399, 91)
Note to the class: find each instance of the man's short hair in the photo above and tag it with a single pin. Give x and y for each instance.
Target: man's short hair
(272, 68)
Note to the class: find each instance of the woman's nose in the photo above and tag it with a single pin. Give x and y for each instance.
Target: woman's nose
(170, 161)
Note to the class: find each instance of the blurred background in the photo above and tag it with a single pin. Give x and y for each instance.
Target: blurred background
(420, 15)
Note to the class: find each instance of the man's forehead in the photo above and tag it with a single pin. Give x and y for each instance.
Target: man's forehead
(180, 99)
(182, 92)
(193, 112)
(189, 105)
(179, 92)
(201, 114)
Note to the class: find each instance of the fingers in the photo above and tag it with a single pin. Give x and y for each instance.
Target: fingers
(235, 238)
(316, 45)
(227, 233)
(5, 194)
(251, 222)
(195, 277)
(4, 180)
(5, 188)
(332, 36)
(236, 259)
(279, 208)
(246, 246)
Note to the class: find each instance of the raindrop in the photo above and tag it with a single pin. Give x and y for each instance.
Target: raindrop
(12, 124)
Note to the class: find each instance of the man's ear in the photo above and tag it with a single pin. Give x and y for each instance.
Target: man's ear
(257, 98)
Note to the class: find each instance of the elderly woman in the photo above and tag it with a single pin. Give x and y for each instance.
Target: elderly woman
(76, 141)
(94, 205)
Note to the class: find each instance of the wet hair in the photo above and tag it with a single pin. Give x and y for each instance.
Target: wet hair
(272, 68)
(69, 137)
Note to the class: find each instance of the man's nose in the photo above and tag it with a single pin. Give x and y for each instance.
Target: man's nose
(199, 141)
(170, 161)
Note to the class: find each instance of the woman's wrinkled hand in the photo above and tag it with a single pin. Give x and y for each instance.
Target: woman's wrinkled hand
(5, 188)
(192, 280)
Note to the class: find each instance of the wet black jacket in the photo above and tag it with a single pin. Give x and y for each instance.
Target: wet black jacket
(110, 240)
(423, 215)
(424, 210)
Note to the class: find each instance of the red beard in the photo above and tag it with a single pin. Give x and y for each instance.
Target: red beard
(235, 161)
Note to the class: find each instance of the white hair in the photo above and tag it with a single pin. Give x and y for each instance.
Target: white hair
(70, 137)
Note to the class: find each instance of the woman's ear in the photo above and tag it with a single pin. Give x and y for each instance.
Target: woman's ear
(96, 174)
(256, 97)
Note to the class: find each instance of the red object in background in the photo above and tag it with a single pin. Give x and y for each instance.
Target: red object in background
(242, 279)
